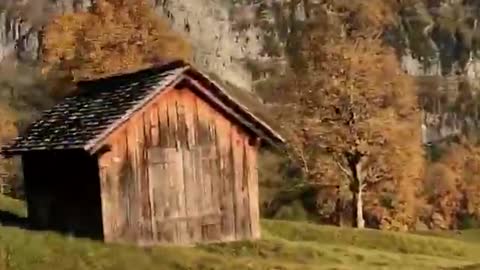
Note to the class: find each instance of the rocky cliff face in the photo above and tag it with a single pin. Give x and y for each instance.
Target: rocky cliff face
(218, 48)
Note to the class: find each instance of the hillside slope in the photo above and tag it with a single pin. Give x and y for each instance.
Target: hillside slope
(285, 246)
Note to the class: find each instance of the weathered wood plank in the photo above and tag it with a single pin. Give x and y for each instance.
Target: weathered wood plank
(188, 100)
(181, 137)
(172, 120)
(223, 145)
(163, 123)
(245, 189)
(197, 193)
(177, 200)
(150, 131)
(171, 209)
(161, 178)
(132, 183)
(201, 122)
(253, 195)
(207, 199)
(191, 190)
(237, 148)
(122, 175)
(216, 192)
(154, 126)
(143, 135)
(214, 229)
(107, 201)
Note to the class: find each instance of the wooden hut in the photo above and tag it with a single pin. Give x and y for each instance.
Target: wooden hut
(162, 155)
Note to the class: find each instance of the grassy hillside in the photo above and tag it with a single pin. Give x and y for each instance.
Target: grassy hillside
(285, 246)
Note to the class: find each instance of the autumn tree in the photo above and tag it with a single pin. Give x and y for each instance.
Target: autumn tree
(23, 92)
(115, 36)
(352, 114)
(452, 186)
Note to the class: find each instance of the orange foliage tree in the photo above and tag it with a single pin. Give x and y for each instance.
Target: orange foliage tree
(352, 114)
(452, 186)
(116, 36)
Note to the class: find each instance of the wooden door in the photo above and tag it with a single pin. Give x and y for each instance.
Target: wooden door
(184, 194)
(165, 179)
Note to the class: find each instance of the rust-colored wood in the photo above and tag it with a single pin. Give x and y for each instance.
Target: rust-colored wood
(131, 184)
(224, 149)
(192, 196)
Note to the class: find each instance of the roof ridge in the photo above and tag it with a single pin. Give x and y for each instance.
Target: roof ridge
(156, 67)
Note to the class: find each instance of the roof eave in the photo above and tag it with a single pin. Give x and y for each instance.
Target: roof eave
(273, 136)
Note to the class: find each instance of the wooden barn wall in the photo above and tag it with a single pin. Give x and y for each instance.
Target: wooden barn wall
(63, 192)
(179, 172)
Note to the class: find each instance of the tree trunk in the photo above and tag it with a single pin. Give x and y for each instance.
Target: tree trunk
(359, 209)
(357, 196)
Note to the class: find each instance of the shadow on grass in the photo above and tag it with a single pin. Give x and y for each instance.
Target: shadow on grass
(12, 220)
(9, 219)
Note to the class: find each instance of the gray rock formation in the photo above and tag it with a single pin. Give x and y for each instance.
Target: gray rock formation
(205, 23)
(218, 48)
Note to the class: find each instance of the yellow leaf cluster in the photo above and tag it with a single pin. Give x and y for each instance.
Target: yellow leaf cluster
(117, 36)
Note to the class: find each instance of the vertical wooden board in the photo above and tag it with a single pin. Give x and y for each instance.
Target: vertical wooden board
(163, 123)
(188, 100)
(197, 195)
(201, 122)
(237, 154)
(215, 229)
(104, 162)
(169, 226)
(211, 167)
(224, 163)
(215, 172)
(182, 232)
(210, 164)
(191, 190)
(157, 169)
(177, 199)
(132, 184)
(122, 175)
(154, 125)
(207, 199)
(148, 191)
(182, 138)
(190, 205)
(145, 210)
(245, 194)
(172, 119)
(107, 201)
(182, 132)
(147, 129)
(253, 195)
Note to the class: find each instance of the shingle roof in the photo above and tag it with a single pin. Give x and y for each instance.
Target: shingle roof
(79, 120)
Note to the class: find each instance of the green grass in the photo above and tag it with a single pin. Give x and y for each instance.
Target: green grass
(285, 246)
(12, 206)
